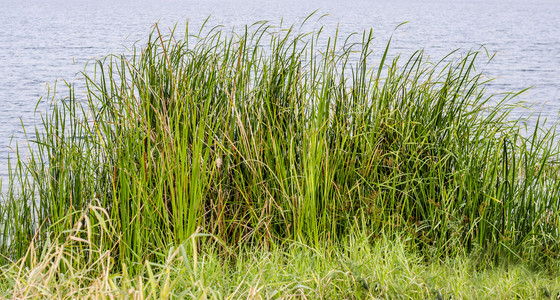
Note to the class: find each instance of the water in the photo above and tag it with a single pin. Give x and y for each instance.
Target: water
(43, 41)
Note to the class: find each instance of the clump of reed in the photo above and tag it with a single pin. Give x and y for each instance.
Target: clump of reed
(266, 136)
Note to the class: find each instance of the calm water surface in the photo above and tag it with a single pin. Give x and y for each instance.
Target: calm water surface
(43, 41)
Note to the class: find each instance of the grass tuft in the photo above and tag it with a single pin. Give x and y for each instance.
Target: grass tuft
(266, 138)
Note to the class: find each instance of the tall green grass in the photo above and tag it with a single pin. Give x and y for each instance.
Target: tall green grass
(265, 135)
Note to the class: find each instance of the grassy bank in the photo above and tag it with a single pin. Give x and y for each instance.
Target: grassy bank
(269, 139)
(355, 269)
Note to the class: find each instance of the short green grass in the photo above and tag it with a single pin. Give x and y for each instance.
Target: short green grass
(269, 139)
(355, 269)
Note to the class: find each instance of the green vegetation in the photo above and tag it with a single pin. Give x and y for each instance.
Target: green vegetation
(267, 140)
(355, 269)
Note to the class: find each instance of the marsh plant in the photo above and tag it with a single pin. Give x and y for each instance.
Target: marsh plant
(265, 136)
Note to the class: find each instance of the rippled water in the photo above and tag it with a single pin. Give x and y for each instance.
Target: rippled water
(43, 41)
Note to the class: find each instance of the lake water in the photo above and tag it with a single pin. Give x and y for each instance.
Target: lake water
(42, 41)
